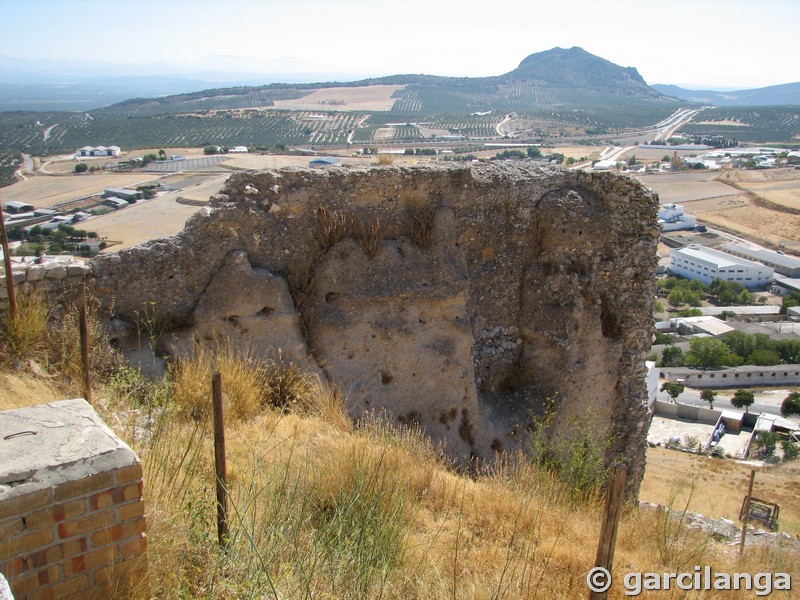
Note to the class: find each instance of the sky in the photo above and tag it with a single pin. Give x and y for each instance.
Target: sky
(709, 44)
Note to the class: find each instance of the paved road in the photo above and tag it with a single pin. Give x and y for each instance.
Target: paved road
(768, 401)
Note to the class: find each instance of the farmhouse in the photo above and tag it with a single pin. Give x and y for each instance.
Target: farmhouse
(12, 207)
(781, 263)
(672, 218)
(328, 161)
(115, 202)
(90, 151)
(707, 264)
(124, 193)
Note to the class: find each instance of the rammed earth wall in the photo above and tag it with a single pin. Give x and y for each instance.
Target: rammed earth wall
(483, 302)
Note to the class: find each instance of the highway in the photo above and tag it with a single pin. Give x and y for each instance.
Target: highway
(660, 132)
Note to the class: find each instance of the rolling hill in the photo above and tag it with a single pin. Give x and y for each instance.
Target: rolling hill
(774, 95)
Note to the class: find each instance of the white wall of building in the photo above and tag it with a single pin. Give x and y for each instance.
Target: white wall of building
(706, 265)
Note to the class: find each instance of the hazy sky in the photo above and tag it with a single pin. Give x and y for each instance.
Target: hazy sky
(733, 44)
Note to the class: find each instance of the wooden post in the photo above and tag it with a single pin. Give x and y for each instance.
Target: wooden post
(220, 468)
(12, 298)
(747, 510)
(84, 327)
(608, 531)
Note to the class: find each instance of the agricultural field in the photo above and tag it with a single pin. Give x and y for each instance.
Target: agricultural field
(779, 186)
(364, 99)
(45, 191)
(9, 163)
(759, 124)
(159, 217)
(734, 209)
(67, 132)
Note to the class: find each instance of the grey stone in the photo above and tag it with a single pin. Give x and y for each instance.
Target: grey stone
(56, 272)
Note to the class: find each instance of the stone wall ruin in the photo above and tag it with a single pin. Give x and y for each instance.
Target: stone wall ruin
(467, 299)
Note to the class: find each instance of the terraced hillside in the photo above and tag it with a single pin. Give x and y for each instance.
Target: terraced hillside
(570, 92)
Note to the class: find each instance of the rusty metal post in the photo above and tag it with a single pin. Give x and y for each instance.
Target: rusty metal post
(747, 511)
(84, 331)
(220, 468)
(608, 530)
(12, 297)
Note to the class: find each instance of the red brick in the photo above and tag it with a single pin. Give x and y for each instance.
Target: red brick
(25, 543)
(11, 527)
(93, 560)
(134, 547)
(24, 584)
(126, 570)
(129, 473)
(131, 511)
(13, 568)
(55, 514)
(73, 547)
(90, 522)
(49, 575)
(26, 503)
(118, 532)
(42, 558)
(85, 486)
(115, 496)
(60, 590)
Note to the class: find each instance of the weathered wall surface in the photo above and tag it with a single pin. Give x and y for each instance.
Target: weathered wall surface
(459, 297)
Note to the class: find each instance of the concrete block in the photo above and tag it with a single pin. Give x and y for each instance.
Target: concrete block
(58, 445)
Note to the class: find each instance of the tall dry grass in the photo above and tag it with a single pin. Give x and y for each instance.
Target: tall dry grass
(322, 508)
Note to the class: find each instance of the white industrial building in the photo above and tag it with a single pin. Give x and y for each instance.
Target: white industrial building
(707, 264)
(781, 263)
(91, 151)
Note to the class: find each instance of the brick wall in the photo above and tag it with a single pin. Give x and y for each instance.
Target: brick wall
(82, 537)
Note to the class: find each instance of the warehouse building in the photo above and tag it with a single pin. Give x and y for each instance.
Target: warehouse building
(781, 263)
(707, 264)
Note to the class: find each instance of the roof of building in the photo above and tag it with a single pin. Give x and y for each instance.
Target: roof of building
(762, 254)
(789, 283)
(755, 309)
(328, 160)
(709, 325)
(16, 204)
(718, 258)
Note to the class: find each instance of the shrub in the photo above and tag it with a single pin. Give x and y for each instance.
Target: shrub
(26, 335)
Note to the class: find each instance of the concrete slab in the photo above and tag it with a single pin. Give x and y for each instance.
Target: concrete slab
(44, 446)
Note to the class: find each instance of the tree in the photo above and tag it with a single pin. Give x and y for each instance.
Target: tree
(672, 357)
(673, 389)
(791, 405)
(743, 399)
(162, 154)
(766, 441)
(709, 353)
(81, 168)
(533, 152)
(709, 396)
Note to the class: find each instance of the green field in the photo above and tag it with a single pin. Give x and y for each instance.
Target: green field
(754, 124)
(9, 163)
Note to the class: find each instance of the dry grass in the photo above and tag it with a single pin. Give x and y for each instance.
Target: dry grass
(418, 220)
(322, 508)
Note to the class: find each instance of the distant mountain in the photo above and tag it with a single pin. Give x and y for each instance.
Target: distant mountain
(555, 79)
(774, 95)
(574, 67)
